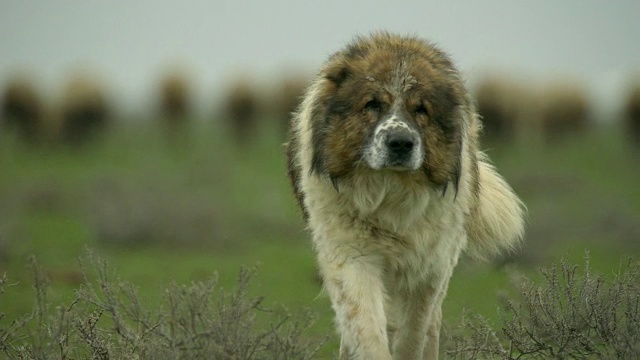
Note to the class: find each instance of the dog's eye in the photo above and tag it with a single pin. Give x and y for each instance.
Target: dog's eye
(373, 105)
(422, 110)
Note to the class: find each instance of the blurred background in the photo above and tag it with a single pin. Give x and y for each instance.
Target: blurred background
(152, 132)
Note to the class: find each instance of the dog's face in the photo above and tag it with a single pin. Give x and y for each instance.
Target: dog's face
(389, 104)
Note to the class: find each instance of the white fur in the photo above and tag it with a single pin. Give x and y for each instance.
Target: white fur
(387, 246)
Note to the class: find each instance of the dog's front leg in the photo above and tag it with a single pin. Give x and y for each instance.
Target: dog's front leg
(357, 296)
(418, 331)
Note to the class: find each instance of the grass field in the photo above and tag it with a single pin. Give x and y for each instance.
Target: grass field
(161, 210)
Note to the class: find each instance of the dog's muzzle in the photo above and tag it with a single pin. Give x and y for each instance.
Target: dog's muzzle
(399, 146)
(395, 145)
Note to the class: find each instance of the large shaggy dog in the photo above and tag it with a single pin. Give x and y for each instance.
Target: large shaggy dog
(384, 161)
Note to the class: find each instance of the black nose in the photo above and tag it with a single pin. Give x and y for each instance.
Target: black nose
(400, 144)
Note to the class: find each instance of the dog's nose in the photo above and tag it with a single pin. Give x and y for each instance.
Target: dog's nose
(400, 144)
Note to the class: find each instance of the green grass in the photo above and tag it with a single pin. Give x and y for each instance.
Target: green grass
(52, 201)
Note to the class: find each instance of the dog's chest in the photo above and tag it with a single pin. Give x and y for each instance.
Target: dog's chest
(419, 251)
(415, 229)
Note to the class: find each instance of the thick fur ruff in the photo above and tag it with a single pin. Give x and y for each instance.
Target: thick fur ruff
(384, 162)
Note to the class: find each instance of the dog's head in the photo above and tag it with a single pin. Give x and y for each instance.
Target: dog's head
(389, 103)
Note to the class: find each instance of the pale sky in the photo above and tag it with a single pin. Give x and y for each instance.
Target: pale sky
(130, 43)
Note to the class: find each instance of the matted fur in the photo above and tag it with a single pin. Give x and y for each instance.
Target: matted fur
(388, 238)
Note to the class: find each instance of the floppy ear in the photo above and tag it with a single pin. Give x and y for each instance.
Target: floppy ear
(457, 172)
(336, 71)
(456, 176)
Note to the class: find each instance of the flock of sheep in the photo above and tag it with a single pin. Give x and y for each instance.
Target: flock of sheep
(83, 108)
(509, 109)
(554, 112)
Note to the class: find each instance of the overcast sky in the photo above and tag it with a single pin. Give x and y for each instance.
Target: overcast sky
(130, 43)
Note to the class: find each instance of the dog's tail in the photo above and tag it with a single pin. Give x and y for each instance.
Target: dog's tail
(496, 220)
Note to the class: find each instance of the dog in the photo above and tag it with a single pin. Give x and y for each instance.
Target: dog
(383, 159)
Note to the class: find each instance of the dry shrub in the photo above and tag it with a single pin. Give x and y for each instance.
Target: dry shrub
(241, 107)
(565, 111)
(573, 315)
(84, 111)
(107, 320)
(123, 214)
(22, 109)
(632, 116)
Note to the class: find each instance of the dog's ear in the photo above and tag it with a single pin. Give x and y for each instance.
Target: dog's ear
(456, 180)
(335, 71)
(457, 171)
